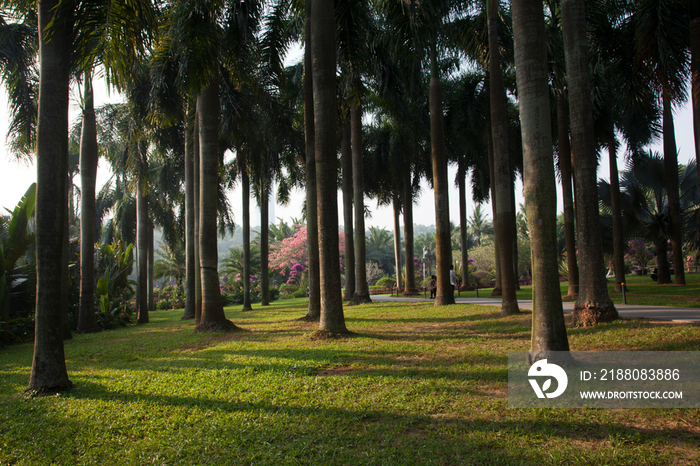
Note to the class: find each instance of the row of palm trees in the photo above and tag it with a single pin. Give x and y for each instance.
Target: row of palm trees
(214, 71)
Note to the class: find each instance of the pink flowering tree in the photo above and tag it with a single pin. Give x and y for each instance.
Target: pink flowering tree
(294, 251)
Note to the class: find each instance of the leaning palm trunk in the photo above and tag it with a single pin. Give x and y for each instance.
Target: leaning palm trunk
(672, 190)
(548, 327)
(346, 163)
(443, 242)
(325, 118)
(189, 218)
(397, 240)
(87, 319)
(245, 190)
(618, 233)
(213, 318)
(361, 294)
(501, 170)
(142, 248)
(567, 193)
(594, 304)
(314, 311)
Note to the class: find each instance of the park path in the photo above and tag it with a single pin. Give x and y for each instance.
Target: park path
(674, 314)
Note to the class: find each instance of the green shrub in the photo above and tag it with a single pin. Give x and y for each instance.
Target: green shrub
(164, 304)
(274, 294)
(299, 294)
(386, 282)
(286, 290)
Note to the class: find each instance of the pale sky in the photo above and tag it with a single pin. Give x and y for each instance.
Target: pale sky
(15, 177)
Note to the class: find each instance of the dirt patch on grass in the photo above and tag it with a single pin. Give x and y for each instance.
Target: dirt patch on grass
(340, 370)
(325, 335)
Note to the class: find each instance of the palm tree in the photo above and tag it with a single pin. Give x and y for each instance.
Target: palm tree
(548, 327)
(594, 304)
(346, 167)
(661, 36)
(479, 224)
(323, 54)
(48, 372)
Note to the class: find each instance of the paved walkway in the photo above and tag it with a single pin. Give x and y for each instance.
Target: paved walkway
(675, 314)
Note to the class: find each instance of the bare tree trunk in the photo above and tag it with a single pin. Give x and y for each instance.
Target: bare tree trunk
(314, 310)
(501, 169)
(567, 193)
(672, 190)
(245, 190)
(618, 233)
(264, 243)
(197, 265)
(189, 216)
(323, 44)
(397, 240)
(142, 245)
(213, 318)
(87, 319)
(497, 290)
(463, 226)
(361, 294)
(548, 327)
(594, 304)
(151, 267)
(410, 278)
(695, 77)
(65, 282)
(346, 162)
(663, 274)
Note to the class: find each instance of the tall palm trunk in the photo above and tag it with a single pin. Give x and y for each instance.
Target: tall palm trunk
(264, 243)
(325, 121)
(361, 294)
(567, 193)
(87, 319)
(695, 77)
(245, 189)
(443, 241)
(501, 169)
(410, 278)
(314, 311)
(594, 304)
(463, 226)
(142, 245)
(48, 371)
(197, 266)
(213, 318)
(618, 233)
(663, 274)
(548, 327)
(346, 164)
(672, 189)
(397, 240)
(151, 267)
(189, 216)
(65, 283)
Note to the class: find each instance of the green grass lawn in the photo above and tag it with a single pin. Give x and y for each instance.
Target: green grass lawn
(640, 291)
(414, 385)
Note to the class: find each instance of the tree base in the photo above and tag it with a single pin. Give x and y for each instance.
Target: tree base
(94, 329)
(411, 292)
(309, 318)
(221, 326)
(246, 309)
(187, 317)
(589, 314)
(618, 288)
(358, 299)
(497, 292)
(509, 308)
(444, 300)
(326, 335)
(52, 390)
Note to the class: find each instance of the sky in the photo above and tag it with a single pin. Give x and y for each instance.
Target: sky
(15, 177)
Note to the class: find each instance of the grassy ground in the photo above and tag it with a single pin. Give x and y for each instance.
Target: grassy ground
(640, 291)
(415, 385)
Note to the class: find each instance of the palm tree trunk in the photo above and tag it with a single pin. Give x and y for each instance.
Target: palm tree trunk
(325, 121)
(142, 247)
(361, 294)
(463, 226)
(264, 243)
(594, 304)
(87, 319)
(497, 291)
(346, 162)
(151, 267)
(548, 327)
(567, 192)
(410, 278)
(443, 240)
(213, 318)
(618, 233)
(48, 371)
(501, 169)
(245, 189)
(65, 282)
(313, 313)
(514, 233)
(663, 273)
(695, 79)
(672, 189)
(197, 266)
(397, 240)
(189, 216)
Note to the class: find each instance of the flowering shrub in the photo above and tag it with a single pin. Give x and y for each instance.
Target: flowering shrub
(295, 274)
(294, 251)
(638, 255)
